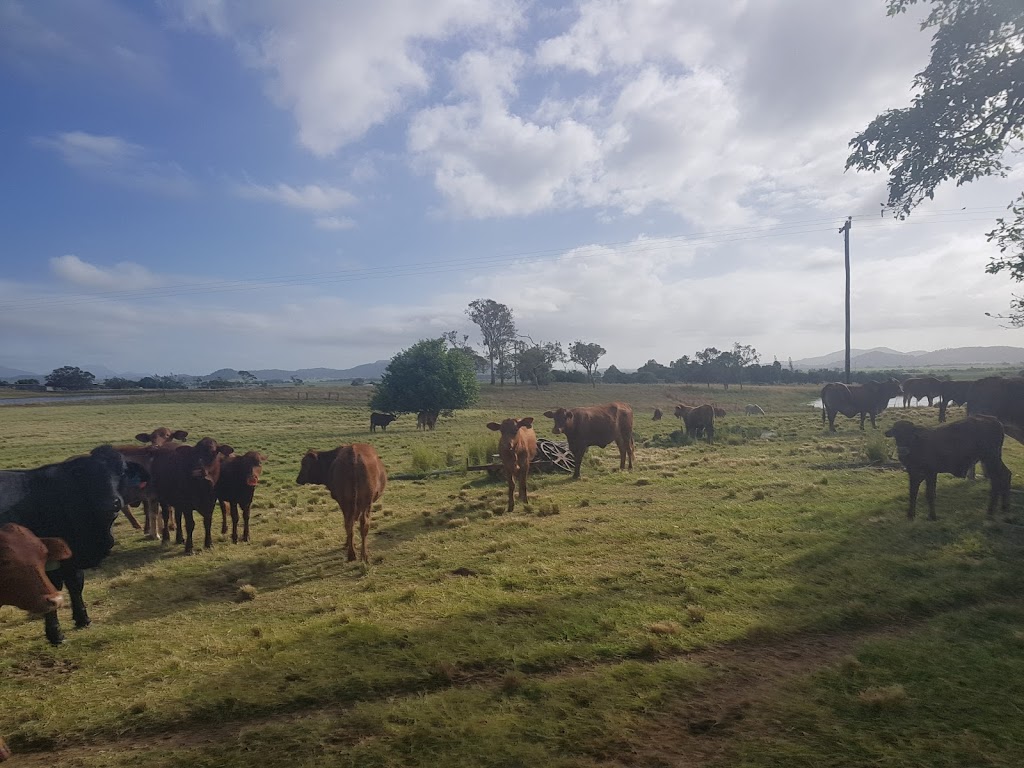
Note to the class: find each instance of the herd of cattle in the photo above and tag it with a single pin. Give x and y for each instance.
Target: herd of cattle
(55, 521)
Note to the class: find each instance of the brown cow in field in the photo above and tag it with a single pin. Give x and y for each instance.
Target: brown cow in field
(23, 558)
(1002, 398)
(517, 447)
(955, 449)
(753, 410)
(596, 425)
(919, 388)
(657, 415)
(239, 476)
(698, 419)
(426, 420)
(356, 478)
(186, 477)
(146, 496)
(952, 392)
(381, 420)
(719, 412)
(851, 400)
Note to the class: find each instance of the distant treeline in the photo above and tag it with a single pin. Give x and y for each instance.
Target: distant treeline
(686, 371)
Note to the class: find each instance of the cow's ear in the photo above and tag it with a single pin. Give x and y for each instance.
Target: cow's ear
(227, 450)
(493, 426)
(527, 422)
(142, 437)
(181, 434)
(56, 549)
(549, 414)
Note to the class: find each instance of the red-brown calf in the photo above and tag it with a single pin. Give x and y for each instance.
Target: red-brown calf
(517, 447)
(23, 580)
(239, 476)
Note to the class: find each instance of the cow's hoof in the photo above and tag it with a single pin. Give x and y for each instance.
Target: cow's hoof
(83, 623)
(55, 636)
(234, 539)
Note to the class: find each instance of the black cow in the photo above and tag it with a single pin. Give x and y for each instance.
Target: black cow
(76, 500)
(381, 420)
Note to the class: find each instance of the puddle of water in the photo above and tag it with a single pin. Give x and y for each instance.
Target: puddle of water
(896, 402)
(56, 399)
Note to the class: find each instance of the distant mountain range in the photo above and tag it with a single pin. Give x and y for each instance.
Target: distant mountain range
(885, 358)
(364, 371)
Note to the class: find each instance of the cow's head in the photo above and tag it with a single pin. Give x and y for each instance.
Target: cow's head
(657, 415)
(161, 435)
(510, 427)
(207, 455)
(682, 410)
(563, 420)
(907, 436)
(252, 464)
(310, 472)
(23, 558)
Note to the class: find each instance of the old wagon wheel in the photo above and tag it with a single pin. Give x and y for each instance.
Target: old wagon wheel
(557, 453)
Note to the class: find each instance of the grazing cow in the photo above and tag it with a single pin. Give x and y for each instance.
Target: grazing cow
(719, 412)
(186, 477)
(753, 410)
(1002, 398)
(517, 447)
(952, 392)
(239, 476)
(596, 425)
(355, 476)
(851, 400)
(657, 415)
(426, 420)
(146, 496)
(698, 419)
(23, 560)
(954, 448)
(920, 388)
(381, 420)
(78, 501)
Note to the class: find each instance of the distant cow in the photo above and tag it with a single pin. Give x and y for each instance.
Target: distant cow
(719, 412)
(356, 478)
(596, 425)
(657, 415)
(851, 400)
(381, 420)
(239, 476)
(146, 495)
(426, 420)
(753, 410)
(699, 420)
(185, 477)
(78, 501)
(517, 447)
(23, 559)
(920, 388)
(952, 392)
(1002, 398)
(952, 448)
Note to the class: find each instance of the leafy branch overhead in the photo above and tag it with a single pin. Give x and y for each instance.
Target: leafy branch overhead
(966, 116)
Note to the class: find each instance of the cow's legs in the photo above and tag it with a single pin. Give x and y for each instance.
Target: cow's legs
(51, 623)
(234, 523)
(190, 525)
(224, 517)
(151, 509)
(207, 527)
(245, 521)
(511, 490)
(350, 549)
(524, 472)
(578, 456)
(831, 421)
(364, 530)
(943, 404)
(127, 512)
(915, 485)
(178, 538)
(999, 476)
(165, 513)
(929, 492)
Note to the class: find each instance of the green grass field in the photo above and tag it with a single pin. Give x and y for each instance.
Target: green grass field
(762, 601)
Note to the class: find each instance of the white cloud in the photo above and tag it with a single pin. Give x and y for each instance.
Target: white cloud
(115, 160)
(320, 198)
(120, 277)
(334, 222)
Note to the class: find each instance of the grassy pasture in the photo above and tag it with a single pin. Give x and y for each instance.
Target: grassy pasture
(762, 601)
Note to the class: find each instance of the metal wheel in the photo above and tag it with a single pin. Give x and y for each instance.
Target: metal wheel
(557, 453)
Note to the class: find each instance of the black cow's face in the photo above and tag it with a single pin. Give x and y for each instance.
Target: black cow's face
(905, 434)
(309, 471)
(99, 481)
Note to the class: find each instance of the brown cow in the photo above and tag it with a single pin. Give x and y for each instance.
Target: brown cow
(753, 409)
(919, 388)
(1002, 398)
(851, 400)
(146, 496)
(355, 476)
(657, 415)
(381, 420)
(185, 477)
(719, 412)
(952, 392)
(426, 420)
(23, 558)
(953, 448)
(517, 447)
(239, 476)
(698, 419)
(596, 425)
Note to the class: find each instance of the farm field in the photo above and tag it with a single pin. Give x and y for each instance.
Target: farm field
(762, 601)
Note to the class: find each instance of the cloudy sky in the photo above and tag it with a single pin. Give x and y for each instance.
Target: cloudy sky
(193, 184)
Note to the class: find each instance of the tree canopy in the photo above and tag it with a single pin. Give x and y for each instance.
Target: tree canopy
(587, 355)
(498, 331)
(966, 115)
(70, 377)
(428, 376)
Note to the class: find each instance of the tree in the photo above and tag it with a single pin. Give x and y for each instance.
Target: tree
(296, 381)
(429, 376)
(612, 375)
(498, 330)
(967, 113)
(586, 355)
(742, 356)
(248, 379)
(118, 382)
(70, 377)
(709, 358)
(534, 364)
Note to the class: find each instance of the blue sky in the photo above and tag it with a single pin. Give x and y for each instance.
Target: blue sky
(194, 184)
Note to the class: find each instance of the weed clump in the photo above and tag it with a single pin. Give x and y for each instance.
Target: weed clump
(246, 592)
(696, 613)
(883, 697)
(665, 628)
(877, 450)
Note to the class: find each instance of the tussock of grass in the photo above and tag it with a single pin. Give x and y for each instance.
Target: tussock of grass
(885, 697)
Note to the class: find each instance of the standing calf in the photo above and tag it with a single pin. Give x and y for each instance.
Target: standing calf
(356, 478)
(239, 476)
(517, 447)
(953, 448)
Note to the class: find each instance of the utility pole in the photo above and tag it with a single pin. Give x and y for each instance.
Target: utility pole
(845, 231)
